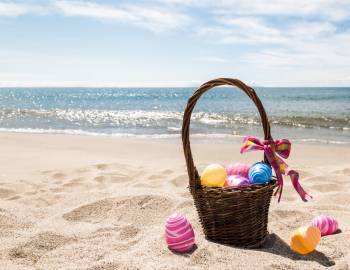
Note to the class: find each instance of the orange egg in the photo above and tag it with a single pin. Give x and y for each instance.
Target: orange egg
(305, 239)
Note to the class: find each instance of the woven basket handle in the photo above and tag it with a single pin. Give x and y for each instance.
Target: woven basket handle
(191, 169)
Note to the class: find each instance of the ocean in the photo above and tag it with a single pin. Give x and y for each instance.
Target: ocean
(300, 114)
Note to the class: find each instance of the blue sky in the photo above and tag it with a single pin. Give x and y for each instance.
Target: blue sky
(174, 42)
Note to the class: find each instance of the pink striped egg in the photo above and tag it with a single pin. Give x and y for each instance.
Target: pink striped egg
(326, 224)
(238, 169)
(179, 233)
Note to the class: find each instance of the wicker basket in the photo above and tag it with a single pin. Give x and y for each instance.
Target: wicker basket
(232, 215)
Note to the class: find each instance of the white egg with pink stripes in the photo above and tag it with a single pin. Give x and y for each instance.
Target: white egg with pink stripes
(179, 233)
(326, 224)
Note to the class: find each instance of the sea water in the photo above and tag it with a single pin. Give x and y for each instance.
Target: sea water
(300, 114)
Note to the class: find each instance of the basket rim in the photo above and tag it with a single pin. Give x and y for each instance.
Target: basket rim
(240, 189)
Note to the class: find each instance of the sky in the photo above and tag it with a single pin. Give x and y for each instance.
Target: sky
(174, 42)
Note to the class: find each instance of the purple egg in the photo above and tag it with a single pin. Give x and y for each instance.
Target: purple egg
(236, 180)
(238, 169)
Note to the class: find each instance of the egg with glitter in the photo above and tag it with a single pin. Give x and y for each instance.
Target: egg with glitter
(238, 169)
(260, 173)
(236, 180)
(326, 224)
(179, 233)
(214, 175)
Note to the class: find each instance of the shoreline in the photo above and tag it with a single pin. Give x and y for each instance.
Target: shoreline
(219, 138)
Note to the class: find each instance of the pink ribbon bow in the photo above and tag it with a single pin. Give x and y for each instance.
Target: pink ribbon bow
(274, 152)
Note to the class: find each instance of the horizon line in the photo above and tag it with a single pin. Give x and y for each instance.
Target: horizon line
(2, 86)
(156, 85)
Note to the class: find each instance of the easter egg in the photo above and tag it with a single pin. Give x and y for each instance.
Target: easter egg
(305, 239)
(179, 233)
(260, 173)
(326, 224)
(214, 175)
(238, 169)
(236, 180)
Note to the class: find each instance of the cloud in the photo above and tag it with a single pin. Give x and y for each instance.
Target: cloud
(153, 18)
(311, 49)
(243, 30)
(333, 10)
(212, 59)
(12, 9)
(257, 31)
(316, 61)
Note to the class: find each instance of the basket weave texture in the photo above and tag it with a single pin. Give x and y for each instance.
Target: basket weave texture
(235, 216)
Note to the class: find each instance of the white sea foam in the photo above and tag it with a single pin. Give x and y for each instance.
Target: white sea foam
(200, 136)
(321, 141)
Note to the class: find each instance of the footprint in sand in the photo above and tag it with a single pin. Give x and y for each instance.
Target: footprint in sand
(74, 182)
(101, 179)
(5, 193)
(144, 209)
(105, 166)
(82, 170)
(112, 178)
(167, 172)
(13, 198)
(129, 232)
(292, 214)
(93, 213)
(119, 178)
(124, 233)
(57, 190)
(326, 187)
(305, 174)
(155, 177)
(31, 193)
(118, 173)
(291, 219)
(180, 181)
(185, 205)
(144, 185)
(10, 224)
(317, 179)
(38, 245)
(58, 176)
(341, 199)
(101, 167)
(90, 250)
(322, 207)
(345, 171)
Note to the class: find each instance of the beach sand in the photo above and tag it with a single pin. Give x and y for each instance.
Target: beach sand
(80, 202)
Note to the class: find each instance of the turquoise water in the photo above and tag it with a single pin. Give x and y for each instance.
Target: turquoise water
(302, 114)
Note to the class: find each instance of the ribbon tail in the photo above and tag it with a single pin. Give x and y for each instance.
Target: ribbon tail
(294, 176)
(279, 192)
(280, 183)
(275, 166)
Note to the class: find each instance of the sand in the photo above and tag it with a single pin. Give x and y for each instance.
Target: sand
(75, 202)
